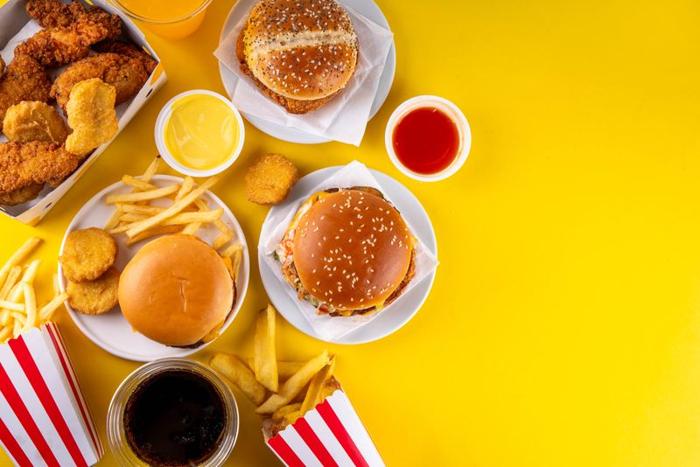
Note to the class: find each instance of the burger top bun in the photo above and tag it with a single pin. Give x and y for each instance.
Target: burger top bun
(352, 249)
(304, 50)
(176, 290)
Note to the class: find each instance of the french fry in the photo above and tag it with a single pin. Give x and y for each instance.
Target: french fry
(283, 411)
(30, 272)
(158, 230)
(12, 306)
(293, 386)
(173, 209)
(231, 250)
(18, 256)
(185, 188)
(221, 240)
(142, 195)
(30, 304)
(229, 268)
(132, 217)
(139, 209)
(192, 228)
(17, 328)
(265, 353)
(137, 183)
(5, 333)
(195, 216)
(113, 219)
(285, 368)
(151, 170)
(10, 281)
(236, 259)
(313, 393)
(48, 310)
(240, 375)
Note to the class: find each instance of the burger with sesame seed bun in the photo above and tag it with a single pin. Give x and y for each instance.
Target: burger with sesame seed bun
(300, 53)
(347, 251)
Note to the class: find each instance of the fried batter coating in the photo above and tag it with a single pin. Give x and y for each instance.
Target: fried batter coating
(34, 121)
(87, 254)
(2, 67)
(54, 13)
(36, 162)
(24, 80)
(91, 115)
(126, 73)
(21, 195)
(94, 297)
(269, 180)
(69, 34)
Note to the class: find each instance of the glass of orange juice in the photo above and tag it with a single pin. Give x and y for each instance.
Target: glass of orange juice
(167, 18)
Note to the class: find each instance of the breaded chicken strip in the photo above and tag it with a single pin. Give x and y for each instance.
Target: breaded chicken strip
(36, 162)
(54, 13)
(71, 38)
(125, 72)
(24, 80)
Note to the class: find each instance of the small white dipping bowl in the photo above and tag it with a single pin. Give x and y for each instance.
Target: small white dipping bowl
(164, 117)
(452, 111)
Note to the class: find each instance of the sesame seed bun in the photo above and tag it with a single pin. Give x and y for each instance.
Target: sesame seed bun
(348, 251)
(301, 53)
(175, 290)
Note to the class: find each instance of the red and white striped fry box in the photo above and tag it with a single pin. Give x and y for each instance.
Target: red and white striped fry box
(43, 417)
(331, 434)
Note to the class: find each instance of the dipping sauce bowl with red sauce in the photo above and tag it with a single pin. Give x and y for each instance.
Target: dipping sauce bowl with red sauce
(428, 138)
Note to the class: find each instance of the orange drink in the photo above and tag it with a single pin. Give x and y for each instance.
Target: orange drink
(167, 18)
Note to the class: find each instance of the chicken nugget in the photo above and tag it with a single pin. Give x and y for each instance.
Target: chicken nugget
(34, 121)
(270, 179)
(95, 297)
(87, 254)
(91, 115)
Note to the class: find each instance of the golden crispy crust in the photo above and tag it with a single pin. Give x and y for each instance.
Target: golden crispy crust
(34, 121)
(24, 80)
(269, 180)
(94, 297)
(21, 195)
(87, 254)
(125, 72)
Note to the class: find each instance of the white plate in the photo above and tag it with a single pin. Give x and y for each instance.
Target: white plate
(110, 330)
(402, 310)
(366, 8)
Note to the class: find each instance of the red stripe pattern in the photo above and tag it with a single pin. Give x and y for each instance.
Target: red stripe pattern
(67, 370)
(315, 444)
(13, 447)
(25, 418)
(282, 449)
(19, 348)
(329, 416)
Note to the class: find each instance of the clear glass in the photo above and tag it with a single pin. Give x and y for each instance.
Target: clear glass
(171, 28)
(116, 433)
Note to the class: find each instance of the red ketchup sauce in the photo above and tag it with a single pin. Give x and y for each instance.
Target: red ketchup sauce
(426, 140)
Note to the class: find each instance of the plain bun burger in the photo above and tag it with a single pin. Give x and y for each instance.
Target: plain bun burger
(176, 290)
(300, 53)
(347, 252)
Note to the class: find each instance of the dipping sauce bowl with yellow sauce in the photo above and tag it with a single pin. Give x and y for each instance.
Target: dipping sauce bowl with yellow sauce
(199, 133)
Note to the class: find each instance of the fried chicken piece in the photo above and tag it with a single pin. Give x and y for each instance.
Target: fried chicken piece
(36, 162)
(25, 80)
(127, 73)
(270, 179)
(21, 195)
(54, 13)
(71, 38)
(2, 67)
(91, 115)
(87, 254)
(34, 121)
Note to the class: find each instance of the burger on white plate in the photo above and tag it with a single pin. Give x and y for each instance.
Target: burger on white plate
(347, 251)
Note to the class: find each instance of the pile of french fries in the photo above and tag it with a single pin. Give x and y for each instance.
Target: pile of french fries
(282, 391)
(18, 305)
(137, 218)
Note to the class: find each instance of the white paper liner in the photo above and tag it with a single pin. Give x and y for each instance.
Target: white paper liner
(342, 119)
(335, 327)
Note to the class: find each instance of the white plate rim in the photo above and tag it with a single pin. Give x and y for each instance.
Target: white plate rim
(184, 352)
(292, 135)
(431, 244)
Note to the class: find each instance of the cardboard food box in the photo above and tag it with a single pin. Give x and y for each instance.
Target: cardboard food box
(15, 26)
(43, 417)
(330, 434)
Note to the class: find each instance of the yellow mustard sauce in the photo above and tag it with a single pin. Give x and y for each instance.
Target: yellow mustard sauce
(202, 132)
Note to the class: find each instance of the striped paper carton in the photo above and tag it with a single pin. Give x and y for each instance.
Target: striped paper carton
(329, 435)
(43, 417)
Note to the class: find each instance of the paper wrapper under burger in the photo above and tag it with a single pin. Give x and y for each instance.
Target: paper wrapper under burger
(329, 434)
(335, 327)
(15, 27)
(342, 119)
(43, 417)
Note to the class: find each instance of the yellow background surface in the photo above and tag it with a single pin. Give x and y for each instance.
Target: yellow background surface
(563, 328)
